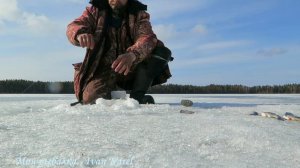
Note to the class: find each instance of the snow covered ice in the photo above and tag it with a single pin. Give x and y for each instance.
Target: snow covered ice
(44, 131)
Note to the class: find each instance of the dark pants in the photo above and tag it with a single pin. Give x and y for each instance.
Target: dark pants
(137, 81)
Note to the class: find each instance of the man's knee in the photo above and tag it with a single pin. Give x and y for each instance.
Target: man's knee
(94, 90)
(90, 97)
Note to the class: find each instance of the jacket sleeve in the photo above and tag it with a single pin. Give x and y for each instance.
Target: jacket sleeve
(83, 24)
(145, 39)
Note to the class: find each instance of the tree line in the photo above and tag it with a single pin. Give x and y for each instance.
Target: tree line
(225, 89)
(66, 87)
(35, 87)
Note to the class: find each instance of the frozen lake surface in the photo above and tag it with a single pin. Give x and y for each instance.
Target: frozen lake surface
(44, 131)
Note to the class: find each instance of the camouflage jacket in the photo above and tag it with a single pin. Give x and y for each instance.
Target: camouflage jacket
(93, 21)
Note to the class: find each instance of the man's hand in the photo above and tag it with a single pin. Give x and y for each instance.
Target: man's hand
(123, 63)
(86, 40)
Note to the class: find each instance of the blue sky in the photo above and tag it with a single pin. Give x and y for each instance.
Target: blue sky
(253, 42)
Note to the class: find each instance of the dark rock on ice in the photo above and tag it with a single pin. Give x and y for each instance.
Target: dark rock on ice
(186, 103)
(187, 112)
(254, 113)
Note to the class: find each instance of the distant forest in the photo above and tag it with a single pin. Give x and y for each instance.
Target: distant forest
(38, 87)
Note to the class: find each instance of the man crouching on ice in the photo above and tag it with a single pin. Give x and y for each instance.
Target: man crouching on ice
(122, 51)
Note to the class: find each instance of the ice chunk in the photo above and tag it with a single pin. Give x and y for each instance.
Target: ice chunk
(118, 94)
(118, 104)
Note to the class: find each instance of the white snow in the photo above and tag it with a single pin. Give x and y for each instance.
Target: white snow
(44, 131)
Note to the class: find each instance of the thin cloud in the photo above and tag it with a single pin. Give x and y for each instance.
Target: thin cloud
(167, 8)
(37, 24)
(72, 1)
(1, 27)
(227, 58)
(165, 32)
(271, 52)
(33, 66)
(75, 1)
(200, 28)
(26, 22)
(238, 10)
(178, 38)
(9, 10)
(223, 45)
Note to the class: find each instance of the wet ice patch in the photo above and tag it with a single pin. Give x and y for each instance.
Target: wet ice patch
(4, 127)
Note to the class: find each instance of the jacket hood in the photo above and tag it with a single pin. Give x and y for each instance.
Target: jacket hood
(134, 6)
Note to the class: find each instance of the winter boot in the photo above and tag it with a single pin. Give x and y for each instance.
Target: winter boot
(146, 72)
(141, 84)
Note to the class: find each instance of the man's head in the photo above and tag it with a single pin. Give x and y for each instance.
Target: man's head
(117, 4)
